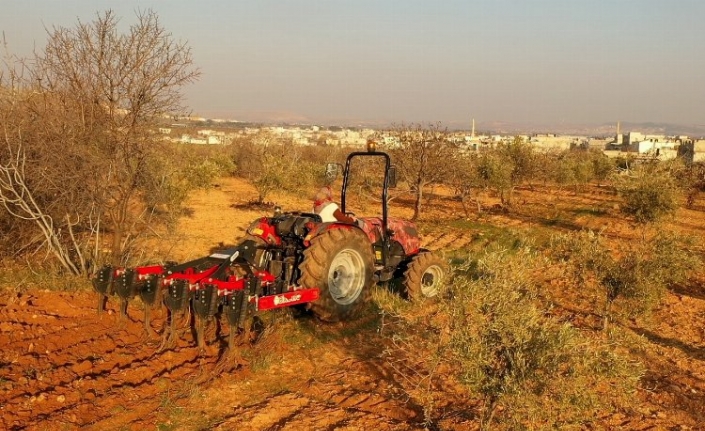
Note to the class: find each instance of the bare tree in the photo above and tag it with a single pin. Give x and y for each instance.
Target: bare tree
(30, 190)
(423, 156)
(80, 137)
(274, 163)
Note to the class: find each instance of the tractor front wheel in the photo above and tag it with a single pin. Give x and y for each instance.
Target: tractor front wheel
(340, 263)
(424, 276)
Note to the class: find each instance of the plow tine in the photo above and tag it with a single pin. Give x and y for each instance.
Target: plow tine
(233, 307)
(172, 330)
(102, 283)
(176, 298)
(231, 339)
(147, 317)
(205, 303)
(125, 286)
(229, 359)
(169, 336)
(123, 309)
(102, 299)
(218, 328)
(200, 329)
(150, 294)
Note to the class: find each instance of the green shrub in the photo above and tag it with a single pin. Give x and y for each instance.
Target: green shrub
(649, 192)
(495, 172)
(529, 370)
(271, 164)
(512, 353)
(638, 272)
(202, 173)
(602, 167)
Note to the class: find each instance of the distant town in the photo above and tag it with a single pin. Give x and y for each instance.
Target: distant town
(203, 131)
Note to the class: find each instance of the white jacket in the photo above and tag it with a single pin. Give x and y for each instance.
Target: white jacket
(327, 212)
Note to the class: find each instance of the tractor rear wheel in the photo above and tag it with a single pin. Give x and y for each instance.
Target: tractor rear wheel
(340, 263)
(424, 276)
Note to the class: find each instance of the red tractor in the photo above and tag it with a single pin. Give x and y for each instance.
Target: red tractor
(288, 259)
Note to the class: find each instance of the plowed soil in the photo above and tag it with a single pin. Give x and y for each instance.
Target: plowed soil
(64, 367)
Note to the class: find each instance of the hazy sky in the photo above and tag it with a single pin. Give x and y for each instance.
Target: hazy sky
(520, 61)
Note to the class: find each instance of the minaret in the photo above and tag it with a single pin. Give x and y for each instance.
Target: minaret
(472, 134)
(619, 134)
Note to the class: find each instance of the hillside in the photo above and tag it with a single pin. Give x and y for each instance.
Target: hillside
(65, 367)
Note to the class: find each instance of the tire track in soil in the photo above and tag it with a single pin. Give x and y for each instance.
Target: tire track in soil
(446, 241)
(296, 411)
(97, 374)
(427, 240)
(344, 387)
(326, 406)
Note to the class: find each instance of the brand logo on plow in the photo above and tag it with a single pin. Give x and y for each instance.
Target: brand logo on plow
(281, 299)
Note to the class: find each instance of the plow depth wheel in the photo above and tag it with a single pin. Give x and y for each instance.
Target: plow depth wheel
(424, 276)
(340, 263)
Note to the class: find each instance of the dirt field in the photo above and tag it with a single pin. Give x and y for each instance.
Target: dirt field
(63, 367)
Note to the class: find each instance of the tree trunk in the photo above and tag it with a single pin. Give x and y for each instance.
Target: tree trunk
(119, 233)
(116, 253)
(488, 413)
(417, 205)
(464, 203)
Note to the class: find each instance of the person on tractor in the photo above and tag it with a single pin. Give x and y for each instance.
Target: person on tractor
(329, 211)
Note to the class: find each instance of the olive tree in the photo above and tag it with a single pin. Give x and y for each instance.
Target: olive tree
(272, 163)
(649, 192)
(638, 272)
(602, 167)
(690, 178)
(80, 156)
(506, 348)
(520, 158)
(466, 180)
(494, 172)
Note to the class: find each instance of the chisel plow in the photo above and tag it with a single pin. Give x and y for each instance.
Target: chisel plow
(226, 283)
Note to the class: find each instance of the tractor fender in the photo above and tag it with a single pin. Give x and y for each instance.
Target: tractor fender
(418, 251)
(319, 228)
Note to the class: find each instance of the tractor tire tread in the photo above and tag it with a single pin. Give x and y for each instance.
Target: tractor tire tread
(315, 266)
(415, 271)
